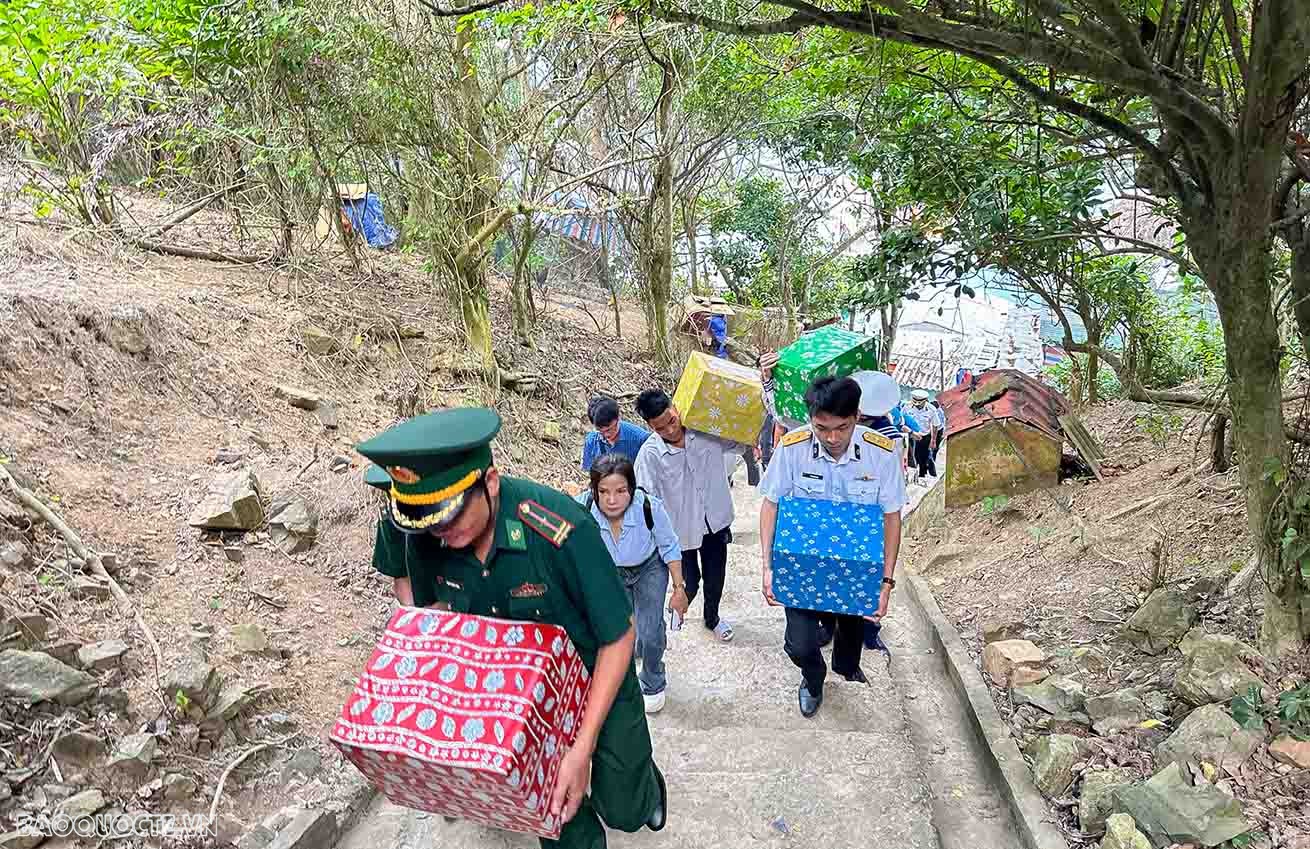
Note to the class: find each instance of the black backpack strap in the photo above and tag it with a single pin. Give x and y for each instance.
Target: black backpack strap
(645, 509)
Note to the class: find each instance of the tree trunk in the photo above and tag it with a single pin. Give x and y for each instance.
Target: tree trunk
(889, 317)
(658, 240)
(1298, 240)
(1219, 444)
(689, 229)
(479, 197)
(788, 294)
(1093, 368)
(607, 279)
(521, 285)
(1235, 260)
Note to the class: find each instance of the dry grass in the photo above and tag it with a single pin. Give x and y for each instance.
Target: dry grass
(124, 435)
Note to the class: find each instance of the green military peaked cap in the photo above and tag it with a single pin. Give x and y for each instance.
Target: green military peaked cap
(432, 461)
(377, 476)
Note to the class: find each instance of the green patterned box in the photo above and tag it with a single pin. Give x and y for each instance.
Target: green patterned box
(826, 351)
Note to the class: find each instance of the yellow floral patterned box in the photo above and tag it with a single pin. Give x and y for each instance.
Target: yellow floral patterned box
(721, 398)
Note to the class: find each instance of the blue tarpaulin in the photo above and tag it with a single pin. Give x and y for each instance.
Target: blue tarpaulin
(365, 216)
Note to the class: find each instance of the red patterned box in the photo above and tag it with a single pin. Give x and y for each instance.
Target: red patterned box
(466, 716)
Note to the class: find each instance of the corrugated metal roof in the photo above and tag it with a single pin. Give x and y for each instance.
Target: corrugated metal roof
(970, 334)
(1016, 396)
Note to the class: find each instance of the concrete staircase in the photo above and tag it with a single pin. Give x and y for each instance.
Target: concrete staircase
(745, 769)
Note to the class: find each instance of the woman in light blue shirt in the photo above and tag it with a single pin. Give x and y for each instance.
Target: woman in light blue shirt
(640, 537)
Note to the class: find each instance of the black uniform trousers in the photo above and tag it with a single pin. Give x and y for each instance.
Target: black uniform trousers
(802, 645)
(710, 562)
(923, 456)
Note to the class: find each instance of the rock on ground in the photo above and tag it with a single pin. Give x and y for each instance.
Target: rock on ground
(307, 830)
(1001, 659)
(1096, 800)
(232, 503)
(1163, 620)
(14, 555)
(82, 804)
(318, 341)
(79, 749)
(1170, 810)
(1089, 660)
(192, 677)
(998, 628)
(1056, 695)
(133, 754)
(37, 677)
(1213, 669)
(1289, 750)
(24, 630)
(1117, 711)
(292, 525)
(249, 638)
(102, 655)
(232, 700)
(297, 397)
(178, 787)
(1209, 734)
(85, 586)
(1121, 833)
(1053, 760)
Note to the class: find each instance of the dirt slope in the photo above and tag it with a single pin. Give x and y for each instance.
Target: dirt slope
(1068, 567)
(127, 381)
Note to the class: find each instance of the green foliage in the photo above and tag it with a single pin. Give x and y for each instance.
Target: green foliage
(1289, 712)
(1061, 375)
(904, 261)
(993, 504)
(1294, 710)
(1248, 709)
(1161, 427)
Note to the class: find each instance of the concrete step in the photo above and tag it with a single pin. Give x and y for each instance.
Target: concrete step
(730, 788)
(756, 688)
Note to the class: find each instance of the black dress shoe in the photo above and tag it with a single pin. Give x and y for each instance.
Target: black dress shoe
(825, 636)
(856, 677)
(659, 816)
(809, 703)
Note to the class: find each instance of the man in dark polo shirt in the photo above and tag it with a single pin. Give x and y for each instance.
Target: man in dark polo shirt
(492, 545)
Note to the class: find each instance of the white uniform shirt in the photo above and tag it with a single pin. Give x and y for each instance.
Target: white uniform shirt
(867, 473)
(691, 481)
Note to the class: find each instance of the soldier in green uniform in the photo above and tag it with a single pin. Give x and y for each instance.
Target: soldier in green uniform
(390, 544)
(492, 545)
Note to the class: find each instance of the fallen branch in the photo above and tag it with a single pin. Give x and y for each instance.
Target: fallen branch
(196, 253)
(187, 212)
(1140, 505)
(92, 562)
(222, 779)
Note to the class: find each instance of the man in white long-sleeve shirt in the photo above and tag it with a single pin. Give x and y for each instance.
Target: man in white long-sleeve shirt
(684, 469)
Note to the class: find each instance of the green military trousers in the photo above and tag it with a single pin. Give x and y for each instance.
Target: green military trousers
(624, 787)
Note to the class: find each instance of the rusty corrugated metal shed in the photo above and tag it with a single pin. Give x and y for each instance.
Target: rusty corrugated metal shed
(1005, 394)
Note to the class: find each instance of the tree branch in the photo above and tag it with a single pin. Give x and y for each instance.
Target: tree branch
(1235, 38)
(445, 12)
(1094, 116)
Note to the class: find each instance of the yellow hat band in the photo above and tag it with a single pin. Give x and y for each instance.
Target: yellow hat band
(428, 498)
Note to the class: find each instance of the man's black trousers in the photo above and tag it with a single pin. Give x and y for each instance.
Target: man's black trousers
(802, 645)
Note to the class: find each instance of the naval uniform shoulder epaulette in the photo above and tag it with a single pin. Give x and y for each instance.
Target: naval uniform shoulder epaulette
(550, 525)
(874, 438)
(797, 436)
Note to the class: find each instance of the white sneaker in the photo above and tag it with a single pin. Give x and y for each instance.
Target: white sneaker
(654, 702)
(723, 630)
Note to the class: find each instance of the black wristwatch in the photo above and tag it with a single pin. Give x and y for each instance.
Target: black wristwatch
(891, 582)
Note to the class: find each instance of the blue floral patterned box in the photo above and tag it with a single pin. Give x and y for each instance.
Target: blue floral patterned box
(827, 555)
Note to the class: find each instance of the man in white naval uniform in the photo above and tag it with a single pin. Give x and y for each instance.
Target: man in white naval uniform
(836, 459)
